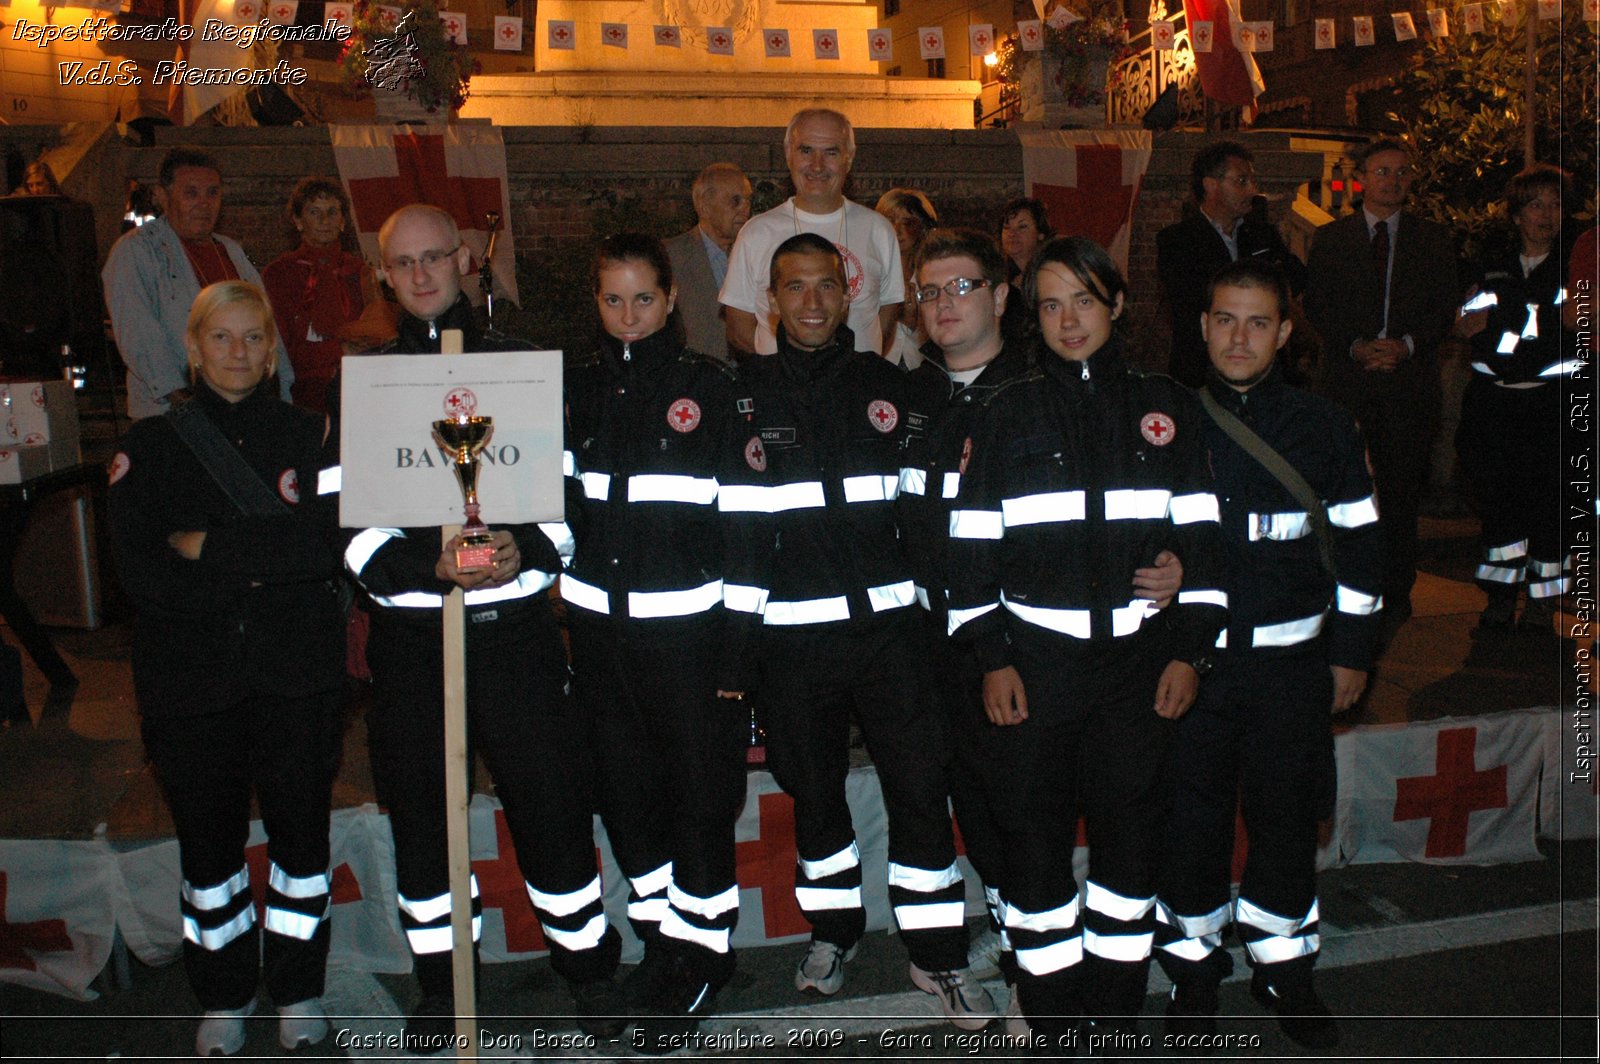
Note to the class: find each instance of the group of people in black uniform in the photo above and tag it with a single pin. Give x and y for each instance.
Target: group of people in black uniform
(1045, 584)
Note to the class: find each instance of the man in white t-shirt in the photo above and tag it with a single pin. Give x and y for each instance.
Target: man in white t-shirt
(819, 145)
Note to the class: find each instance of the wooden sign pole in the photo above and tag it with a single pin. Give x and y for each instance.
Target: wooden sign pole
(458, 792)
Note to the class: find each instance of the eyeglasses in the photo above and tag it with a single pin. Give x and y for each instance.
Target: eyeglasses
(959, 287)
(429, 259)
(1393, 171)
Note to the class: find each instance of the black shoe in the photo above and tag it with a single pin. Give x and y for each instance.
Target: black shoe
(1301, 1013)
(602, 1012)
(432, 1026)
(684, 1002)
(642, 987)
(1538, 618)
(1192, 1018)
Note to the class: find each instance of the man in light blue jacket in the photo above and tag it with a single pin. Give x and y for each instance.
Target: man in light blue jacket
(154, 272)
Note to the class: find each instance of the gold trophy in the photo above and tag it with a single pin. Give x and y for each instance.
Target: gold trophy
(465, 437)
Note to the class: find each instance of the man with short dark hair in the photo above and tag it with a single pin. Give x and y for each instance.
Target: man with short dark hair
(155, 271)
(1303, 566)
(1382, 291)
(700, 256)
(820, 147)
(1223, 181)
(842, 632)
(519, 716)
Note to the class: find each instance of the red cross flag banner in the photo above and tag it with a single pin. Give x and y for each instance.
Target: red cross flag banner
(562, 34)
(1549, 10)
(459, 168)
(614, 34)
(1569, 787)
(185, 102)
(825, 44)
(1326, 36)
(1404, 28)
(455, 26)
(283, 12)
(980, 38)
(1263, 31)
(1088, 181)
(1439, 22)
(389, 15)
(1364, 34)
(1031, 33)
(777, 43)
(56, 927)
(880, 45)
(1200, 36)
(1591, 10)
(930, 41)
(1462, 790)
(1472, 18)
(1162, 34)
(507, 33)
(1227, 74)
(338, 14)
(668, 37)
(719, 40)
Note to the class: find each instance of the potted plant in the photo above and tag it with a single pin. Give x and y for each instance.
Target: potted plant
(1066, 84)
(411, 67)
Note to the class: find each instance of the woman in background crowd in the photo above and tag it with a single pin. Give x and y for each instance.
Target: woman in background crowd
(319, 288)
(1509, 437)
(229, 558)
(912, 215)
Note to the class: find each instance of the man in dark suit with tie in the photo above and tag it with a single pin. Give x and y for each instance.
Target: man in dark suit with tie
(700, 256)
(1382, 292)
(1223, 180)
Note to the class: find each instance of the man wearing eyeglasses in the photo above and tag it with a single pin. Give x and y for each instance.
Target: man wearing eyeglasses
(519, 716)
(842, 634)
(1382, 292)
(1222, 230)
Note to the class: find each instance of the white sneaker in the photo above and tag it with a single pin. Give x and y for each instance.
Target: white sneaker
(302, 1024)
(221, 1032)
(822, 968)
(964, 1000)
(1017, 1025)
(983, 956)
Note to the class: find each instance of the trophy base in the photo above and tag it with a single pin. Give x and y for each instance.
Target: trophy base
(476, 552)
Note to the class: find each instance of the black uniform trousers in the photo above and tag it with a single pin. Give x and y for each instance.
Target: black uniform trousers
(812, 677)
(1509, 444)
(958, 685)
(672, 776)
(1092, 746)
(284, 751)
(530, 736)
(1256, 742)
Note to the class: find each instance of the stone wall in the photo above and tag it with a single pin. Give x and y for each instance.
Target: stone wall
(570, 187)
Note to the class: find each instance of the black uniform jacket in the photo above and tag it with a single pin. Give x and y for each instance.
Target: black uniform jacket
(1280, 595)
(1080, 473)
(1523, 341)
(834, 425)
(396, 566)
(661, 442)
(257, 614)
(932, 476)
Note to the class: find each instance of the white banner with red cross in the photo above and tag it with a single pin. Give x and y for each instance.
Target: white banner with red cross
(1088, 181)
(461, 169)
(1569, 790)
(56, 923)
(1462, 790)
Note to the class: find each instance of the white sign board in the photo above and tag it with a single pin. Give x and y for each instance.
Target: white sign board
(395, 474)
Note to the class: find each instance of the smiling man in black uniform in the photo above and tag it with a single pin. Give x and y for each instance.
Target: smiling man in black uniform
(842, 632)
(519, 716)
(1299, 643)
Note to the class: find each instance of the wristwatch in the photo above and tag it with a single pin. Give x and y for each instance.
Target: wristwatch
(1201, 666)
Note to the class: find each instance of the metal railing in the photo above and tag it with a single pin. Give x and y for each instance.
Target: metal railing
(1141, 78)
